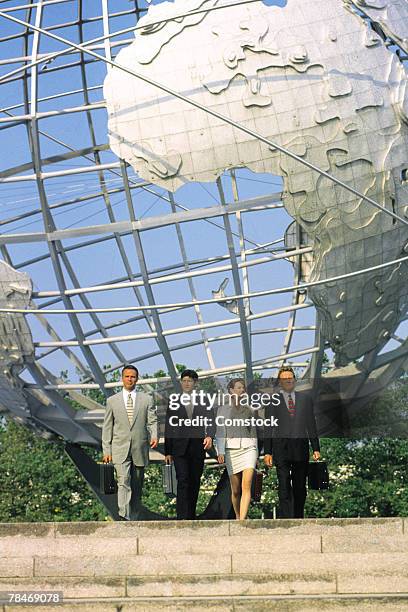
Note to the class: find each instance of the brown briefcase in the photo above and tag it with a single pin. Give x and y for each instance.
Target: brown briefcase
(257, 482)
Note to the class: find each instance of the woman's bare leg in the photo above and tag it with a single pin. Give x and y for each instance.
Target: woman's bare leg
(235, 480)
(247, 476)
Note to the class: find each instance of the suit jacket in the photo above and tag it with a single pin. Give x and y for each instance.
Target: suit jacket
(176, 439)
(289, 441)
(118, 435)
(235, 436)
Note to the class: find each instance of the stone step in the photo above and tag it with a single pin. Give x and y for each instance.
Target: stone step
(18, 546)
(358, 567)
(352, 526)
(231, 604)
(263, 543)
(215, 585)
(110, 529)
(219, 563)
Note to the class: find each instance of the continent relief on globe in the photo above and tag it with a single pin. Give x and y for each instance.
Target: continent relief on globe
(314, 78)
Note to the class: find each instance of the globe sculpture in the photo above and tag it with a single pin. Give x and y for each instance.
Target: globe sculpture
(212, 182)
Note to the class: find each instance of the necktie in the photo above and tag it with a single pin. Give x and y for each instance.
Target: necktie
(291, 406)
(129, 408)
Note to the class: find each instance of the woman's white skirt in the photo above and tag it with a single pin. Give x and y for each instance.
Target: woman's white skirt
(239, 459)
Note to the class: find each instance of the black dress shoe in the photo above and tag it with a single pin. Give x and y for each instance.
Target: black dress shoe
(122, 518)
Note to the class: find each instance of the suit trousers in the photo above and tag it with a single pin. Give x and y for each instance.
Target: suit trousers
(130, 484)
(189, 468)
(292, 487)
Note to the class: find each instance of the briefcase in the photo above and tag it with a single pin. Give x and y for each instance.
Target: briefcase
(169, 479)
(318, 475)
(256, 489)
(107, 481)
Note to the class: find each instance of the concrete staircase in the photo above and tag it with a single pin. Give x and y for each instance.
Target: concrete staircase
(303, 565)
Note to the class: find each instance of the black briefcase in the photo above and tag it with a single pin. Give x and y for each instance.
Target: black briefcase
(318, 476)
(107, 481)
(169, 479)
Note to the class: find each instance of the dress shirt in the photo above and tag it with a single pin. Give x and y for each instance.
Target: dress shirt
(189, 408)
(286, 397)
(126, 395)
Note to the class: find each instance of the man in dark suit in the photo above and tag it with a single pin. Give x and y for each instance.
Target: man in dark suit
(287, 445)
(189, 430)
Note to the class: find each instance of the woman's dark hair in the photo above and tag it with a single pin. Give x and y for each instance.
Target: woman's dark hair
(130, 367)
(234, 381)
(190, 373)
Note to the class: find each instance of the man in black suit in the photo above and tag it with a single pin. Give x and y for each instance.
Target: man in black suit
(190, 427)
(287, 445)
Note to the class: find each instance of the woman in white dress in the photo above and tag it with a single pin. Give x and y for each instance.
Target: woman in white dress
(237, 446)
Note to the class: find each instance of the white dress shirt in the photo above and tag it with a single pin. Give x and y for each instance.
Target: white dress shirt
(188, 405)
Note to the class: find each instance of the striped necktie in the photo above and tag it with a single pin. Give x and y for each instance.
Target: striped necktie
(291, 406)
(129, 408)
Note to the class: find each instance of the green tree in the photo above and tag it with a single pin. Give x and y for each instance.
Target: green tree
(39, 482)
(367, 478)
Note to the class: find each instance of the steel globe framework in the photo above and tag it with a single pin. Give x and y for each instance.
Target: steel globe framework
(103, 266)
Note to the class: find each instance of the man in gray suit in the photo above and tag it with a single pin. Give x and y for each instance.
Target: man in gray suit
(130, 421)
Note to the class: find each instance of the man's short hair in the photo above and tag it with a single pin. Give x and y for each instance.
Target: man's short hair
(286, 369)
(190, 373)
(130, 367)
